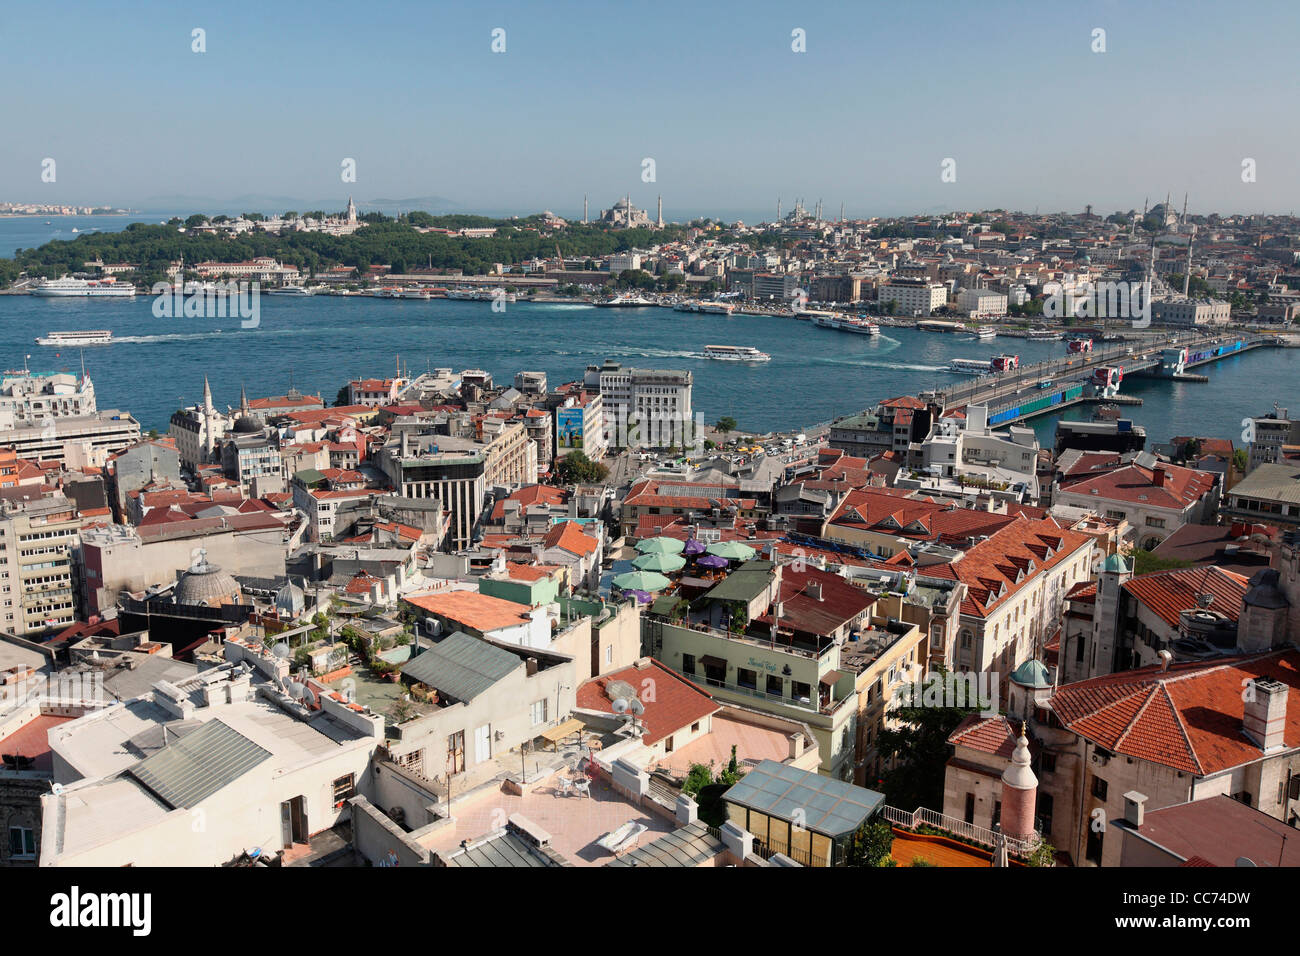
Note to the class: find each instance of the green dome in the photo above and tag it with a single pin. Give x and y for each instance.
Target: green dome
(1031, 674)
(1115, 564)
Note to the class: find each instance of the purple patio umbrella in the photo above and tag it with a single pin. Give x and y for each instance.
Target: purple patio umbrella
(693, 547)
(712, 561)
(641, 597)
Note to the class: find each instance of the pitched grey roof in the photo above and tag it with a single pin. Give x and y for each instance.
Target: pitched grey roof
(505, 848)
(822, 804)
(461, 666)
(690, 845)
(189, 770)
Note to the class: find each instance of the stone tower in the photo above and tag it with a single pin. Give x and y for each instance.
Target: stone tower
(1019, 792)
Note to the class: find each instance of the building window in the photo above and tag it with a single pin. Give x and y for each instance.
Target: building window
(609, 654)
(345, 788)
(688, 663)
(22, 843)
(695, 727)
(1048, 763)
(1155, 522)
(747, 678)
(1099, 788)
(801, 691)
(537, 712)
(775, 685)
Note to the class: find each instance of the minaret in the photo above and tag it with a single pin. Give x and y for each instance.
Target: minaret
(661, 212)
(352, 210)
(584, 209)
(1183, 221)
(243, 401)
(841, 213)
(1019, 792)
(1187, 277)
(209, 421)
(778, 208)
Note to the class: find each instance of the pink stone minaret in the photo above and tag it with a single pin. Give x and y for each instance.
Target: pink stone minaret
(1019, 792)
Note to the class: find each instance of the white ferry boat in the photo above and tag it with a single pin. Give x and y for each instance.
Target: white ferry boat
(1042, 335)
(290, 290)
(707, 308)
(970, 366)
(735, 353)
(479, 295)
(624, 301)
(859, 326)
(986, 332)
(91, 288)
(74, 339)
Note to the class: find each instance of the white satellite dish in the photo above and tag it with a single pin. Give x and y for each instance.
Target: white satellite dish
(308, 698)
(636, 706)
(1245, 861)
(620, 705)
(295, 689)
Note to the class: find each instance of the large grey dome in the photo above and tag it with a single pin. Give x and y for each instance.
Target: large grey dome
(206, 585)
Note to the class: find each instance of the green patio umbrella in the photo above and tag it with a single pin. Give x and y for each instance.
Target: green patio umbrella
(732, 550)
(660, 545)
(641, 581)
(660, 562)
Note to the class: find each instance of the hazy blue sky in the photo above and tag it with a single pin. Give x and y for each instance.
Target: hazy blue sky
(711, 91)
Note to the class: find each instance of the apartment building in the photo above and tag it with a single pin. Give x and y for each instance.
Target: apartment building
(1156, 498)
(30, 398)
(644, 407)
(77, 441)
(37, 537)
(771, 638)
(1269, 494)
(982, 302)
(1016, 582)
(912, 296)
(1274, 433)
(969, 449)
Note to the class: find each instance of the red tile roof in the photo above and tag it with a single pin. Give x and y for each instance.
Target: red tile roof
(569, 536)
(885, 511)
(672, 703)
(478, 612)
(1166, 593)
(1188, 717)
(990, 735)
(996, 569)
(1134, 484)
(840, 601)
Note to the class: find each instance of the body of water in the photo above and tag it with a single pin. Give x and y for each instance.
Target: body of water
(815, 374)
(31, 232)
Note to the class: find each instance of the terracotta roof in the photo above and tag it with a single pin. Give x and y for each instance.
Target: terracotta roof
(840, 601)
(1188, 717)
(1166, 593)
(361, 583)
(990, 735)
(996, 569)
(1134, 484)
(569, 536)
(886, 512)
(672, 703)
(478, 612)
(530, 572)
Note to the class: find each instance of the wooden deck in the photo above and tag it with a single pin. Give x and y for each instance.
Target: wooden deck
(936, 850)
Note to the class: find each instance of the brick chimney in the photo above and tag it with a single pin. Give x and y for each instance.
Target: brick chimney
(1264, 716)
(1159, 476)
